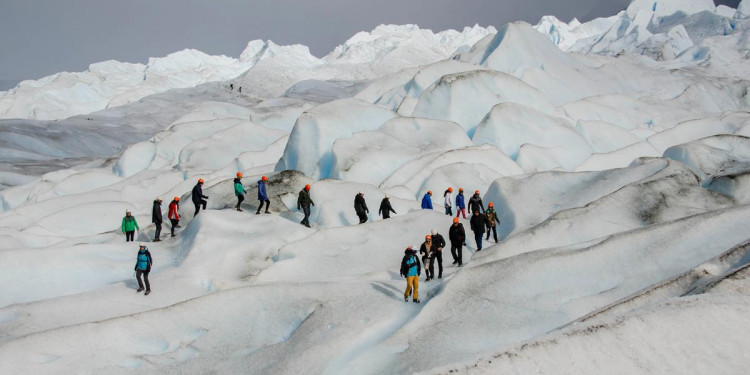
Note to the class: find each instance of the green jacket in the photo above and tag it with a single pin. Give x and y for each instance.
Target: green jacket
(129, 224)
(492, 217)
(238, 189)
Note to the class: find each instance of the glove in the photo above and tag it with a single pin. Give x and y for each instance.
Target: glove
(135, 268)
(401, 274)
(313, 204)
(206, 196)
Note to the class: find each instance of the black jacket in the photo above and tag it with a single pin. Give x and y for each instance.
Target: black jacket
(457, 233)
(385, 208)
(198, 194)
(404, 268)
(303, 200)
(359, 204)
(475, 204)
(478, 222)
(438, 240)
(156, 213)
(425, 252)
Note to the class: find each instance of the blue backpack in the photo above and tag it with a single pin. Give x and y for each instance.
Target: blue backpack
(143, 260)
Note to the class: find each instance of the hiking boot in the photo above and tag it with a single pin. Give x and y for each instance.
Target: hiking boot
(148, 291)
(406, 299)
(180, 226)
(157, 239)
(239, 209)
(139, 290)
(416, 301)
(307, 225)
(454, 262)
(258, 213)
(173, 235)
(267, 212)
(460, 265)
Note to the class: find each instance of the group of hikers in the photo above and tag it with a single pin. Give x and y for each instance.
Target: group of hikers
(430, 250)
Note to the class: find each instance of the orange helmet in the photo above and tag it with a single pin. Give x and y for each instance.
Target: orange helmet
(264, 178)
(307, 187)
(490, 205)
(460, 189)
(200, 181)
(177, 199)
(428, 237)
(476, 192)
(429, 192)
(455, 220)
(239, 174)
(450, 189)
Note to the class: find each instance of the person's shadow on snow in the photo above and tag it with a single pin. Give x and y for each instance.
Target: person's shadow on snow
(385, 289)
(131, 283)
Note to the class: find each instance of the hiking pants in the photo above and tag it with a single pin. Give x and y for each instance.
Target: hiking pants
(198, 206)
(427, 262)
(457, 252)
(438, 255)
(138, 274)
(494, 232)
(460, 211)
(174, 224)
(412, 282)
(158, 230)
(267, 202)
(306, 211)
(129, 235)
(449, 210)
(478, 237)
(240, 198)
(362, 217)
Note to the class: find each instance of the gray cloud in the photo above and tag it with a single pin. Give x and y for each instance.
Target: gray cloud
(41, 37)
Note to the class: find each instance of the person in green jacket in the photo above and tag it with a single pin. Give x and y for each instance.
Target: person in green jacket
(492, 221)
(239, 191)
(129, 226)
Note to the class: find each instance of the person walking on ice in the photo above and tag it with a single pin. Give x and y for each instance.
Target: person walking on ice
(129, 226)
(143, 267)
(427, 201)
(475, 203)
(411, 270)
(439, 243)
(492, 221)
(460, 203)
(426, 250)
(448, 197)
(303, 202)
(198, 198)
(385, 208)
(360, 207)
(156, 218)
(457, 236)
(239, 191)
(478, 222)
(174, 215)
(262, 195)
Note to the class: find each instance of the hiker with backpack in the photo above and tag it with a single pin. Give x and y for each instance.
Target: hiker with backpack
(129, 226)
(239, 191)
(439, 244)
(360, 207)
(411, 270)
(385, 208)
(198, 198)
(448, 197)
(303, 202)
(457, 236)
(427, 201)
(262, 195)
(156, 218)
(460, 203)
(475, 203)
(492, 221)
(426, 250)
(478, 222)
(143, 267)
(173, 215)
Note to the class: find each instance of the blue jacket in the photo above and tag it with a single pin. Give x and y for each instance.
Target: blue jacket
(144, 260)
(410, 264)
(460, 201)
(262, 196)
(427, 202)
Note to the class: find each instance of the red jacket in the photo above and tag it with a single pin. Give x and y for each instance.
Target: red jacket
(173, 207)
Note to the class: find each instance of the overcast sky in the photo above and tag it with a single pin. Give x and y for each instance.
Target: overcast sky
(42, 37)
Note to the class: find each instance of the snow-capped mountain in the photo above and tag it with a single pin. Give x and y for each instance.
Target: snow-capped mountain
(616, 153)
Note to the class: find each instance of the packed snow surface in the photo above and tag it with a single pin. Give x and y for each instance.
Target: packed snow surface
(615, 153)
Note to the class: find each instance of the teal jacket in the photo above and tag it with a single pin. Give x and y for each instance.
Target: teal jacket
(129, 224)
(238, 189)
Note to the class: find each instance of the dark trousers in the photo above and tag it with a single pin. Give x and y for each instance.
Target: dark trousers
(362, 217)
(494, 232)
(478, 237)
(267, 202)
(138, 274)
(198, 206)
(240, 198)
(437, 256)
(129, 235)
(457, 252)
(427, 262)
(306, 211)
(449, 210)
(158, 229)
(174, 224)
(386, 215)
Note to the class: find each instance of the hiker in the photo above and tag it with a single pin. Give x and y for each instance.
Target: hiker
(262, 195)
(129, 226)
(385, 208)
(426, 250)
(439, 243)
(457, 236)
(492, 220)
(231, 86)
(427, 201)
(240, 90)
(198, 198)
(143, 267)
(304, 202)
(477, 226)
(448, 197)
(360, 207)
(460, 204)
(156, 218)
(411, 270)
(239, 191)
(475, 203)
(173, 215)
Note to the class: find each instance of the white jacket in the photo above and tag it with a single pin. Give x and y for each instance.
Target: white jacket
(448, 200)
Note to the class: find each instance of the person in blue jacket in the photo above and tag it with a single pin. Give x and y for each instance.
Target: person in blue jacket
(411, 270)
(460, 203)
(143, 267)
(262, 195)
(427, 201)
